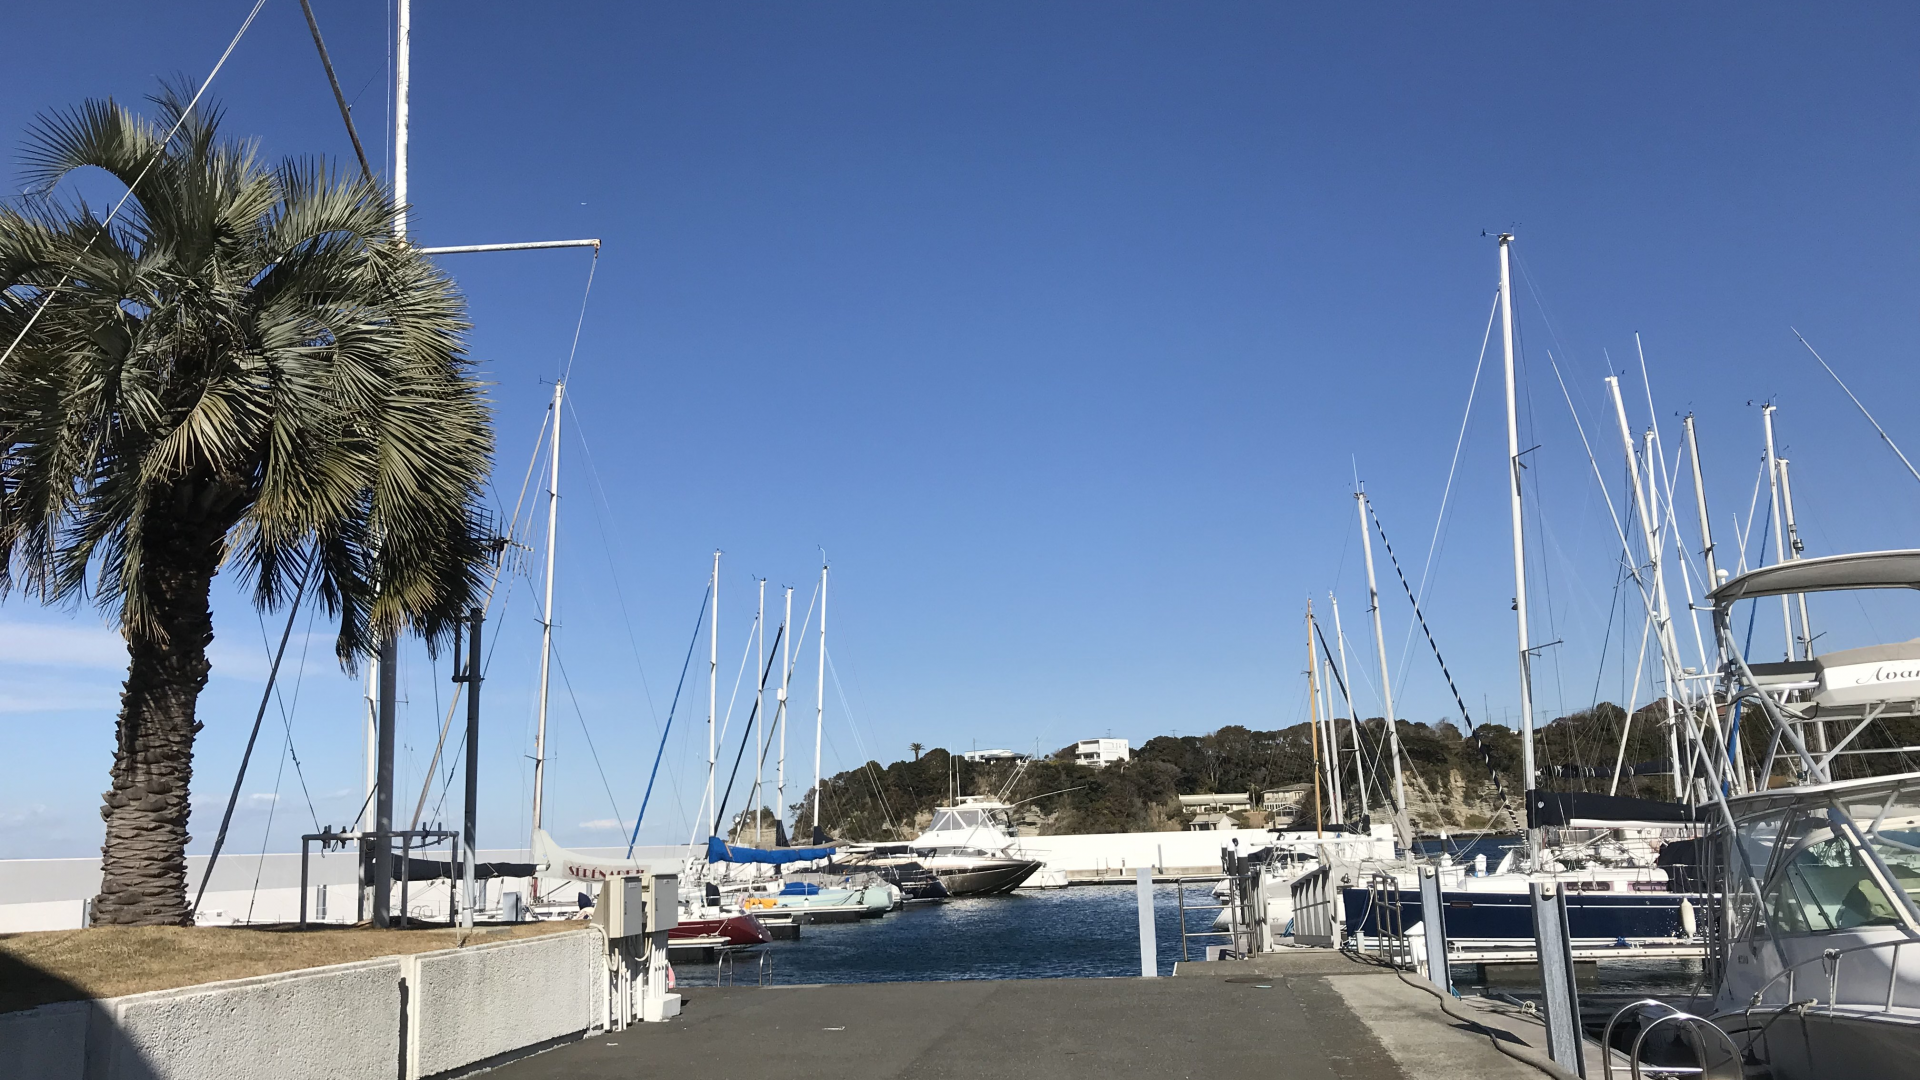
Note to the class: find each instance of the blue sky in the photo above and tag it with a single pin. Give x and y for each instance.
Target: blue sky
(1064, 329)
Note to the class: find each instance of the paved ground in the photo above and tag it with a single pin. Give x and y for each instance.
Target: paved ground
(1321, 1022)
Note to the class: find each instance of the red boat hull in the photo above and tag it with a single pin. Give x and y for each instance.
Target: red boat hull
(736, 929)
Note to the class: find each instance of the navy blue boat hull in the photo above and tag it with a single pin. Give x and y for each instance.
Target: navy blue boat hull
(1479, 916)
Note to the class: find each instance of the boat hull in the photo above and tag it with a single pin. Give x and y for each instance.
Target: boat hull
(985, 877)
(739, 931)
(1813, 1044)
(1592, 918)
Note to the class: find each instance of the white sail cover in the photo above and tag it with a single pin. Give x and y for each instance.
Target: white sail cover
(554, 861)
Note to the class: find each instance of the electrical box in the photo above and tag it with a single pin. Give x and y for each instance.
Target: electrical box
(622, 907)
(664, 912)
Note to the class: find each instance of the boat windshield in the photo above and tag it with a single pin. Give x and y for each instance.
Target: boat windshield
(1890, 821)
(1822, 882)
(945, 820)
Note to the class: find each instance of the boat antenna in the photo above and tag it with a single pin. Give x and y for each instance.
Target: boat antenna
(1863, 409)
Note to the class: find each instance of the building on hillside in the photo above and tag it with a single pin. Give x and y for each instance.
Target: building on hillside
(1212, 811)
(991, 755)
(1100, 753)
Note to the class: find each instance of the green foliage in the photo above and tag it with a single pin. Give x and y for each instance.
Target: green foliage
(249, 347)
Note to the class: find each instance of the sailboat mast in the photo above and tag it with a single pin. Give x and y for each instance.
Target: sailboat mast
(1670, 646)
(1353, 714)
(786, 671)
(402, 80)
(1332, 739)
(1647, 511)
(546, 621)
(820, 705)
(760, 711)
(713, 684)
(1386, 678)
(1313, 724)
(1525, 649)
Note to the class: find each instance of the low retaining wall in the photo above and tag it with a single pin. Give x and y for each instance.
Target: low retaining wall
(407, 1017)
(480, 1004)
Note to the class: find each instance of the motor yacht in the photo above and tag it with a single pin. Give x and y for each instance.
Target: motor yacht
(970, 847)
(1816, 957)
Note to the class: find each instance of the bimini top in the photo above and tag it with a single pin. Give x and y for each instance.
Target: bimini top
(1865, 570)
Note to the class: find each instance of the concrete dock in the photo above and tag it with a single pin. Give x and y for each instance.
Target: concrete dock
(1311, 1015)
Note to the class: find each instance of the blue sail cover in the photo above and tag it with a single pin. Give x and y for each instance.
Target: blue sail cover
(719, 850)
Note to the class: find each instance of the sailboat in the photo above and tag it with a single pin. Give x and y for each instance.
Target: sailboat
(1623, 888)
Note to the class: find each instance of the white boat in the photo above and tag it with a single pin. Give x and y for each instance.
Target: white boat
(1817, 946)
(969, 846)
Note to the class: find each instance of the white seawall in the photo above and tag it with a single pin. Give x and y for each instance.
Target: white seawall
(416, 1017)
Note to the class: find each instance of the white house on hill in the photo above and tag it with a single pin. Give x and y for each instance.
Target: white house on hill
(1100, 753)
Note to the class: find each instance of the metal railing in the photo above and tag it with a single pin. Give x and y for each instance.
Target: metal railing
(1697, 1044)
(1180, 890)
(724, 965)
(1388, 917)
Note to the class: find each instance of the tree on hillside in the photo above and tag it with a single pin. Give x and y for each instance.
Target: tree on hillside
(916, 748)
(246, 370)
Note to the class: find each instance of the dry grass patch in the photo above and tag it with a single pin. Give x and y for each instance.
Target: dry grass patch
(109, 961)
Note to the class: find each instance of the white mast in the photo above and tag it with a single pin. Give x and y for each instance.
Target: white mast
(759, 710)
(1670, 644)
(1700, 506)
(1647, 510)
(546, 622)
(1779, 537)
(820, 703)
(402, 77)
(1333, 730)
(1739, 756)
(786, 670)
(1313, 729)
(1386, 683)
(1353, 714)
(1525, 648)
(1794, 548)
(713, 685)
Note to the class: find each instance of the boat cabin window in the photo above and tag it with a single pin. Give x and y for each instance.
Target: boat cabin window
(957, 819)
(1891, 824)
(1821, 882)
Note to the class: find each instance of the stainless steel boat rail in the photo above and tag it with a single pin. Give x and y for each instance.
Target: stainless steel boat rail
(1830, 960)
(1180, 891)
(1673, 1014)
(1697, 1045)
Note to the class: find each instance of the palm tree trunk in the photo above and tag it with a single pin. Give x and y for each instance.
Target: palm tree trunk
(143, 863)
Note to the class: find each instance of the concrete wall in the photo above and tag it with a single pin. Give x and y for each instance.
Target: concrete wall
(1117, 854)
(332, 1022)
(51, 894)
(409, 1017)
(470, 1005)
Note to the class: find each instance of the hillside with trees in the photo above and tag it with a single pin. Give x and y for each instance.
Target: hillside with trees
(1454, 781)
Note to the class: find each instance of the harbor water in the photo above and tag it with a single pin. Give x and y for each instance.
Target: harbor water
(1087, 931)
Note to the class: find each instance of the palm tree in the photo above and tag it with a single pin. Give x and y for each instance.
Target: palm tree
(246, 370)
(916, 748)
